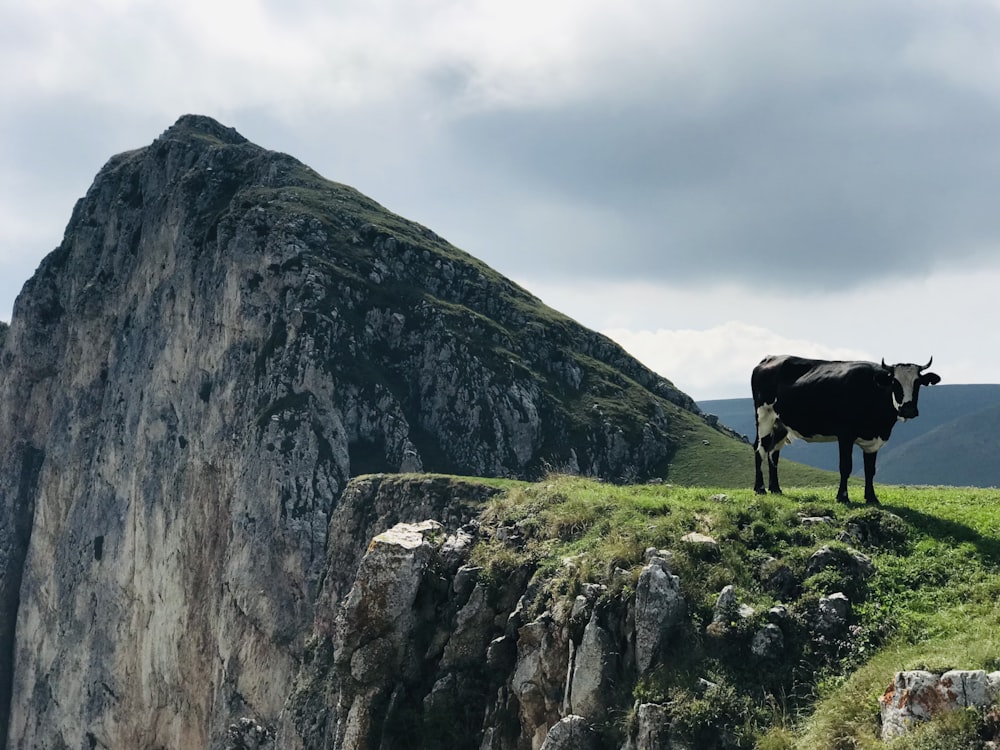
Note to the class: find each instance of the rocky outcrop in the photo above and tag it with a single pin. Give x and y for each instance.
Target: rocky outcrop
(375, 635)
(659, 606)
(426, 650)
(189, 382)
(571, 733)
(918, 695)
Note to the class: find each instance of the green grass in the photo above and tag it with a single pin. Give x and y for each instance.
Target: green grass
(932, 602)
(944, 600)
(708, 458)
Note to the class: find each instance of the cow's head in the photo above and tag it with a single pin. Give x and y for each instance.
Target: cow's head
(906, 382)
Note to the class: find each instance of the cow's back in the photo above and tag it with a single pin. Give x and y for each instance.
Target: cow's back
(777, 372)
(829, 398)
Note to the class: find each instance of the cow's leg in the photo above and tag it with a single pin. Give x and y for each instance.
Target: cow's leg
(770, 435)
(846, 448)
(758, 448)
(772, 472)
(764, 446)
(870, 478)
(758, 472)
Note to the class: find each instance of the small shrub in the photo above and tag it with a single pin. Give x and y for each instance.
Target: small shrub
(876, 528)
(720, 718)
(948, 731)
(778, 738)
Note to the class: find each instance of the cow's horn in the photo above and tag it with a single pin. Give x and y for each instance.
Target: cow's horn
(928, 363)
(884, 364)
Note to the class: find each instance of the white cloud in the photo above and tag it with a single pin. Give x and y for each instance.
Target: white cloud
(709, 181)
(706, 339)
(716, 362)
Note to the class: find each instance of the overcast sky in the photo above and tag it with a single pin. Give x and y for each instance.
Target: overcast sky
(706, 182)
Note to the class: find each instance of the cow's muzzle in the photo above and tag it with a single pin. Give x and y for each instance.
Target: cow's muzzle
(908, 411)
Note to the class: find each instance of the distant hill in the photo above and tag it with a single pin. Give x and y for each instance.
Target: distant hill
(962, 452)
(955, 440)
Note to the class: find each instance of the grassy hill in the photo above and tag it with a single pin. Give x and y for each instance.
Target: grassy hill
(931, 602)
(708, 457)
(952, 442)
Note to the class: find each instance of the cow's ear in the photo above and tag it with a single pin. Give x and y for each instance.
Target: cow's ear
(930, 378)
(883, 378)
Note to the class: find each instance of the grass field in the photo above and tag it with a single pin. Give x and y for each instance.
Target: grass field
(932, 601)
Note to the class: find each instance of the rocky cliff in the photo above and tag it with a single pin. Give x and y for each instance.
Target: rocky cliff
(190, 380)
(452, 629)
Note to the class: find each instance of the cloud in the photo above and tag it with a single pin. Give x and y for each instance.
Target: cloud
(754, 135)
(792, 152)
(823, 172)
(716, 362)
(707, 338)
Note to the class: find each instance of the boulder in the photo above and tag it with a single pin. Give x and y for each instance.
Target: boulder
(571, 733)
(832, 614)
(917, 695)
(727, 611)
(768, 643)
(705, 544)
(659, 607)
(593, 672)
(847, 560)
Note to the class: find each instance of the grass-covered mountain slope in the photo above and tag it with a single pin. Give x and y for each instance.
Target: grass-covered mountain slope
(920, 575)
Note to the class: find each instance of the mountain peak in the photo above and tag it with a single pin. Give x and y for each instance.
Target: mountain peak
(202, 126)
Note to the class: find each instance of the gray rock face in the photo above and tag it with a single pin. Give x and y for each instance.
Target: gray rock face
(659, 606)
(653, 728)
(222, 340)
(539, 678)
(401, 627)
(571, 733)
(376, 625)
(246, 734)
(832, 614)
(593, 672)
(918, 695)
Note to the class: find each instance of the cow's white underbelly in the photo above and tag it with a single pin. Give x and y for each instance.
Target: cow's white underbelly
(767, 417)
(867, 445)
(870, 446)
(811, 438)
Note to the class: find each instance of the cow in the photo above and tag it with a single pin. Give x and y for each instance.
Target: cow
(820, 401)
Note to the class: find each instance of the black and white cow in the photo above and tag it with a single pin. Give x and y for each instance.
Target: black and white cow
(819, 401)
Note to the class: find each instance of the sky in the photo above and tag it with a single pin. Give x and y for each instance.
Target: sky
(704, 181)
